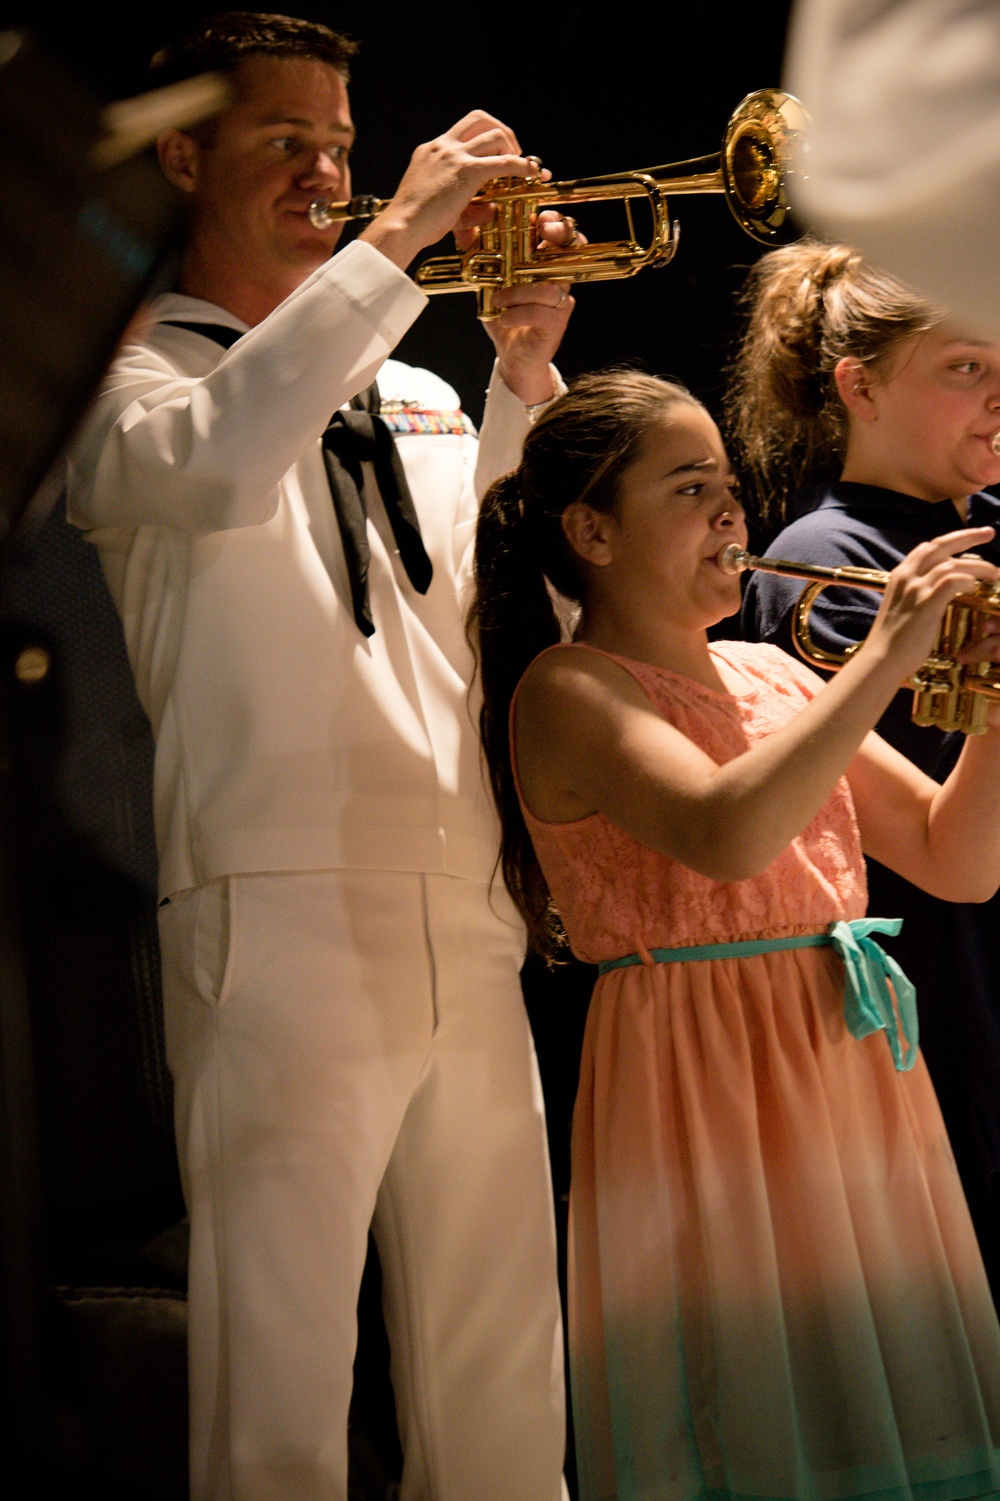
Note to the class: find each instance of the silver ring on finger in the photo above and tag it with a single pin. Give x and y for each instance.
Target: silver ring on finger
(563, 295)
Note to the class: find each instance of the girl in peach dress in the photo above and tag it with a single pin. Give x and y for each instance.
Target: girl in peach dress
(775, 1290)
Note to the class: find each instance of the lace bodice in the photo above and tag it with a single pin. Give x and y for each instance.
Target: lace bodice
(616, 896)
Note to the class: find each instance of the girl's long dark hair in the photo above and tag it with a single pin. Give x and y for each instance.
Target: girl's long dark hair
(578, 450)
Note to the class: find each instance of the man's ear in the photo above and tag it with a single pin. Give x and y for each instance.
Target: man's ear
(588, 532)
(854, 385)
(179, 155)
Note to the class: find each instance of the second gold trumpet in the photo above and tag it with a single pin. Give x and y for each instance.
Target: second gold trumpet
(947, 694)
(751, 170)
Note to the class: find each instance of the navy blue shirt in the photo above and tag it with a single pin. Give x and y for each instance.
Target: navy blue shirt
(950, 950)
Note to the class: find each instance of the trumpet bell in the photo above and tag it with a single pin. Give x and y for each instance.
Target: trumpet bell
(761, 151)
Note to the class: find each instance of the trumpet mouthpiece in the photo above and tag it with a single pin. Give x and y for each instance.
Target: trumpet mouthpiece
(733, 559)
(320, 216)
(323, 212)
(995, 444)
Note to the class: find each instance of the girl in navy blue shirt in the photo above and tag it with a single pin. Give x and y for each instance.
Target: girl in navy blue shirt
(866, 421)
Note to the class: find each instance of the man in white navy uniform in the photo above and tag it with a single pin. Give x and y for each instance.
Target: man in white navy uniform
(343, 1012)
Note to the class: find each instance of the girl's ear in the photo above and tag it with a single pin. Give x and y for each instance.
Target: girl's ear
(854, 385)
(588, 532)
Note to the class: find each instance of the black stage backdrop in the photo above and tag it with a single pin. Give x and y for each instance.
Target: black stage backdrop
(592, 89)
(623, 91)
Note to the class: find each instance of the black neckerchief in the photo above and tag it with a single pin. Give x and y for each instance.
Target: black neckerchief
(352, 437)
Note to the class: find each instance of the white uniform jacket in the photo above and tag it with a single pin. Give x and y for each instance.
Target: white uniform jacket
(284, 739)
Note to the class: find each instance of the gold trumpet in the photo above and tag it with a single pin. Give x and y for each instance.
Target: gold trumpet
(948, 694)
(752, 171)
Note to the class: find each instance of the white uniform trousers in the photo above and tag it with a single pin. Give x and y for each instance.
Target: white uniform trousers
(349, 1047)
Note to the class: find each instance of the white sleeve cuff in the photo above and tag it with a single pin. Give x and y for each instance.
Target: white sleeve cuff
(388, 298)
(506, 424)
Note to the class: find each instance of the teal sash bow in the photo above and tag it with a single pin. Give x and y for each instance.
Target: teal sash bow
(868, 1004)
(867, 998)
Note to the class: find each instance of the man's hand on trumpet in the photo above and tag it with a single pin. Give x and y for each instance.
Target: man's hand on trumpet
(434, 193)
(533, 316)
(434, 196)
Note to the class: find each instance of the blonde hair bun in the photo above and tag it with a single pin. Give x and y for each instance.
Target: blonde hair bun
(808, 306)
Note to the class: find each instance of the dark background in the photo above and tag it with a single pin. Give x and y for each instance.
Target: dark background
(636, 86)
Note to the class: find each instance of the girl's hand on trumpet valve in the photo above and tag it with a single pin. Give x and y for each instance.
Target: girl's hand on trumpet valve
(986, 649)
(920, 589)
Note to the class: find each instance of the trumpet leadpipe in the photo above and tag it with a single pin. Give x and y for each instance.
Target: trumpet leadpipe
(736, 560)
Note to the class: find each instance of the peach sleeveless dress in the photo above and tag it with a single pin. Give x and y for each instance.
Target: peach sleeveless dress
(775, 1289)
